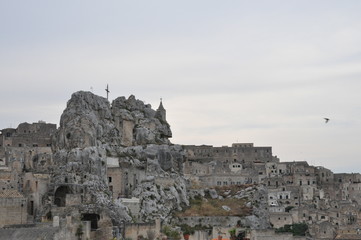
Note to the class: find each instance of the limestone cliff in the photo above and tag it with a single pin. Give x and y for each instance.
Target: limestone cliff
(89, 120)
(91, 130)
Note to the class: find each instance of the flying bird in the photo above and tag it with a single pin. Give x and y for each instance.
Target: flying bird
(326, 120)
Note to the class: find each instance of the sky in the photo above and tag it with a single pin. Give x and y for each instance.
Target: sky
(265, 72)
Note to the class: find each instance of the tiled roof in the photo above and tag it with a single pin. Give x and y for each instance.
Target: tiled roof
(10, 193)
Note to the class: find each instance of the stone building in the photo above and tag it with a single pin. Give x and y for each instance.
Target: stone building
(244, 153)
(28, 135)
(12, 208)
(242, 163)
(279, 219)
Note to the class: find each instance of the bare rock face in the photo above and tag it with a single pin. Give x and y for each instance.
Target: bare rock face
(139, 123)
(91, 130)
(82, 173)
(89, 120)
(161, 196)
(86, 121)
(161, 187)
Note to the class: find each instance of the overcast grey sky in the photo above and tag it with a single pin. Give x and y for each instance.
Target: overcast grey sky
(266, 72)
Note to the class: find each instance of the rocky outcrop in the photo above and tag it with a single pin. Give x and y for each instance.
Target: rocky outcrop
(161, 187)
(91, 130)
(138, 123)
(260, 216)
(89, 120)
(86, 121)
(161, 196)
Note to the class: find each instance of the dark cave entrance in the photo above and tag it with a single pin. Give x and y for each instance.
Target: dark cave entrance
(60, 196)
(93, 218)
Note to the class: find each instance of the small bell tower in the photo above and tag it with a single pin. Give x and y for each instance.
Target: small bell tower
(161, 113)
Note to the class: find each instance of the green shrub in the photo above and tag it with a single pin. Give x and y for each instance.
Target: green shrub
(297, 229)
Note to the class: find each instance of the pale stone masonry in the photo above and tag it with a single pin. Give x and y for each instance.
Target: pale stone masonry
(13, 207)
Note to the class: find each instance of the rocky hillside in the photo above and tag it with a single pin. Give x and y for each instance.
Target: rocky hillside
(91, 130)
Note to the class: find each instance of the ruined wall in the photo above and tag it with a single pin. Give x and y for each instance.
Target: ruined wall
(210, 220)
(12, 208)
(269, 234)
(132, 231)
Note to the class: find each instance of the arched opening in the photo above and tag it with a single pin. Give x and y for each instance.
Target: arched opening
(93, 218)
(48, 216)
(60, 195)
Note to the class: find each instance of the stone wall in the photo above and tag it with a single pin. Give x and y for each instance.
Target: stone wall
(73, 199)
(210, 221)
(269, 234)
(12, 210)
(133, 205)
(280, 219)
(115, 182)
(200, 235)
(223, 180)
(132, 231)
(31, 135)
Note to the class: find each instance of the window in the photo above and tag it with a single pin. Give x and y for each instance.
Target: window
(109, 179)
